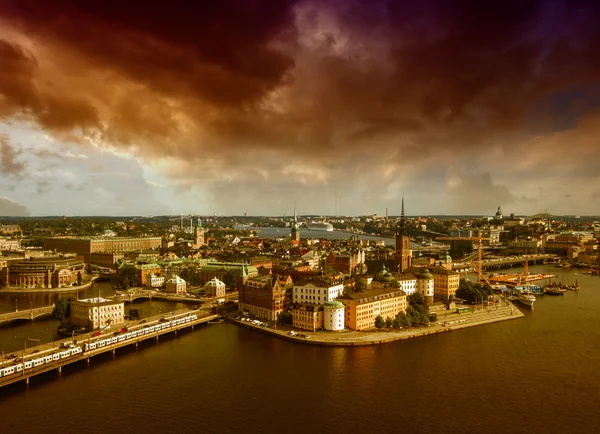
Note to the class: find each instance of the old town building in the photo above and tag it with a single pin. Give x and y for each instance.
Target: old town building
(175, 285)
(97, 312)
(362, 308)
(262, 296)
(317, 291)
(44, 273)
(445, 283)
(85, 246)
(307, 317)
(214, 288)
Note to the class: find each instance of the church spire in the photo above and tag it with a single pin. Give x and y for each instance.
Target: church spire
(402, 215)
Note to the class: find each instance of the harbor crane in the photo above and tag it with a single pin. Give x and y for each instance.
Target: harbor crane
(479, 240)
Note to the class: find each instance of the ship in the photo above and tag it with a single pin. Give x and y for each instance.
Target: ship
(319, 226)
(526, 298)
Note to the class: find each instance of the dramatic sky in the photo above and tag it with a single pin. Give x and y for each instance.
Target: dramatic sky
(143, 107)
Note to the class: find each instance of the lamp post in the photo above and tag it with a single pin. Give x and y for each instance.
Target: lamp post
(16, 304)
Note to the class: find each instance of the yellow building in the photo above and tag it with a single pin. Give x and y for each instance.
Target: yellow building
(307, 317)
(363, 307)
(97, 312)
(445, 283)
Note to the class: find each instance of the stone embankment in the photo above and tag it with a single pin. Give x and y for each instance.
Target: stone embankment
(446, 323)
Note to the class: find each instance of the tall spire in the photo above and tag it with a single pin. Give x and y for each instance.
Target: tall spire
(403, 215)
(295, 218)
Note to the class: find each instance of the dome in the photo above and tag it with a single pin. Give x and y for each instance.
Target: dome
(388, 277)
(333, 305)
(425, 274)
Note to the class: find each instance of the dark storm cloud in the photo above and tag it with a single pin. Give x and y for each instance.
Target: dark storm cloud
(331, 92)
(9, 163)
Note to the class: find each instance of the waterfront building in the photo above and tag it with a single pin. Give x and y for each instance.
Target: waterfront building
(403, 250)
(408, 282)
(362, 308)
(262, 296)
(307, 317)
(44, 272)
(214, 288)
(333, 316)
(425, 285)
(175, 285)
(155, 281)
(85, 246)
(97, 312)
(445, 283)
(317, 291)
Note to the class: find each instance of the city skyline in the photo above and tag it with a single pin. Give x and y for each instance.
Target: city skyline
(342, 107)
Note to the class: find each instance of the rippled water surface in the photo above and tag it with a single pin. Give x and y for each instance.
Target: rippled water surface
(535, 374)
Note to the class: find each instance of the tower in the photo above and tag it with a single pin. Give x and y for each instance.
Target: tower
(199, 235)
(295, 234)
(403, 251)
(499, 213)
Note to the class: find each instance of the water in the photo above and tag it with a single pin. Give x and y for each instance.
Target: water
(267, 232)
(534, 374)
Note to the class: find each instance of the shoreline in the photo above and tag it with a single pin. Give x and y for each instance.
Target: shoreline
(14, 290)
(447, 324)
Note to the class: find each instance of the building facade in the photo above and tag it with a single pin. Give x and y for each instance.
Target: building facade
(362, 308)
(175, 285)
(333, 316)
(317, 291)
(97, 312)
(445, 283)
(263, 297)
(44, 273)
(85, 246)
(307, 317)
(214, 288)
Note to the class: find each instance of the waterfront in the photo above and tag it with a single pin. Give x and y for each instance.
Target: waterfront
(267, 232)
(534, 374)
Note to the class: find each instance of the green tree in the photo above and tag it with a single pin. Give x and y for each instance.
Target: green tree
(416, 299)
(232, 278)
(388, 322)
(62, 309)
(284, 317)
(360, 285)
(433, 317)
(379, 321)
(396, 324)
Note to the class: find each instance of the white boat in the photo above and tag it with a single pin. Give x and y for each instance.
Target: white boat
(320, 226)
(526, 298)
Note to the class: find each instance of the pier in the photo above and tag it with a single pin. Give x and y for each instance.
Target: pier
(52, 348)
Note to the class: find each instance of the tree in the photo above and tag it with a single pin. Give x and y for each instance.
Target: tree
(388, 322)
(360, 285)
(433, 317)
(416, 299)
(396, 323)
(232, 278)
(62, 309)
(379, 321)
(79, 278)
(284, 317)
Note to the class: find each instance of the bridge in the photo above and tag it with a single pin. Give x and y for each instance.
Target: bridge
(57, 365)
(508, 262)
(27, 314)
